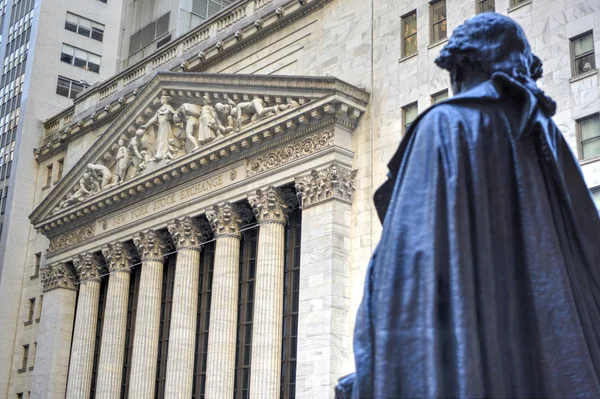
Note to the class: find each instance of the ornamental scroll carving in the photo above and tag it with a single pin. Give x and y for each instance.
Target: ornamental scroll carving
(58, 275)
(272, 204)
(174, 130)
(227, 219)
(151, 244)
(118, 257)
(333, 182)
(74, 237)
(88, 267)
(291, 152)
(189, 232)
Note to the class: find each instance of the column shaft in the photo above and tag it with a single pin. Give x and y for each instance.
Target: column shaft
(268, 313)
(147, 326)
(112, 350)
(84, 338)
(182, 334)
(220, 367)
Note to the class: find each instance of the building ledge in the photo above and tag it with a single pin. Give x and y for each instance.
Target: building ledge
(584, 75)
(589, 160)
(34, 276)
(408, 57)
(439, 42)
(21, 370)
(28, 323)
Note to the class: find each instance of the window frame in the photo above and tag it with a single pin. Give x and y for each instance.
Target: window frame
(49, 173)
(478, 4)
(574, 59)
(77, 24)
(579, 136)
(404, 109)
(71, 92)
(74, 58)
(439, 93)
(432, 23)
(403, 38)
(30, 311)
(60, 169)
(516, 3)
(37, 262)
(24, 358)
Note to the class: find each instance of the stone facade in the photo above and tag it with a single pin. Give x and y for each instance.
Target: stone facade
(316, 134)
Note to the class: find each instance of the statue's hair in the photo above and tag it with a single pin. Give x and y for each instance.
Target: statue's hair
(492, 43)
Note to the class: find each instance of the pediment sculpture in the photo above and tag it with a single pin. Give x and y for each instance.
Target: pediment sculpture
(171, 132)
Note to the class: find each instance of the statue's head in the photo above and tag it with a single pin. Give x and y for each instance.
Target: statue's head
(86, 175)
(489, 43)
(165, 99)
(121, 142)
(139, 132)
(205, 100)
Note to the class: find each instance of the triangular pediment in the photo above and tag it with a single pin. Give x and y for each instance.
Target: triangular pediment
(184, 123)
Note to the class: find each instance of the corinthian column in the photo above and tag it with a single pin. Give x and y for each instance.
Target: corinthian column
(324, 332)
(225, 221)
(89, 270)
(187, 235)
(151, 247)
(112, 350)
(271, 207)
(54, 336)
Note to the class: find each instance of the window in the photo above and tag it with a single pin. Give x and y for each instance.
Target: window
(20, 395)
(582, 54)
(588, 130)
(514, 3)
(409, 34)
(245, 313)
(61, 166)
(48, 174)
(24, 359)
(439, 30)
(69, 88)
(207, 8)
(291, 289)
(37, 260)
(485, 6)
(80, 58)
(410, 114)
(40, 308)
(149, 33)
(596, 197)
(30, 311)
(85, 27)
(438, 97)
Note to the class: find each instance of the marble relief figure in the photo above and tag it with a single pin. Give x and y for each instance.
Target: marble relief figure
(163, 119)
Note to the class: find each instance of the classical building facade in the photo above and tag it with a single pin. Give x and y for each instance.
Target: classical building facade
(210, 233)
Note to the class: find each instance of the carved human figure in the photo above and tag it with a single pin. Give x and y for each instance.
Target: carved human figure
(102, 174)
(136, 154)
(185, 114)
(122, 160)
(87, 187)
(256, 109)
(175, 148)
(226, 116)
(207, 122)
(163, 119)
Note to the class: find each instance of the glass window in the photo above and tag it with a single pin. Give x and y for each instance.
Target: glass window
(410, 114)
(25, 357)
(582, 54)
(485, 6)
(162, 25)
(441, 96)
(48, 175)
(85, 27)
(31, 310)
(61, 162)
(71, 22)
(67, 54)
(589, 134)
(409, 34)
(80, 58)
(148, 34)
(596, 197)
(97, 32)
(63, 86)
(37, 262)
(439, 29)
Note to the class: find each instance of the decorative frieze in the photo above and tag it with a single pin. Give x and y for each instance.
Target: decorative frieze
(272, 204)
(150, 244)
(88, 267)
(71, 238)
(58, 275)
(118, 257)
(189, 232)
(290, 152)
(334, 182)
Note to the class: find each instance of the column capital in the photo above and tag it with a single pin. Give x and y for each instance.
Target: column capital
(227, 219)
(58, 275)
(118, 257)
(150, 244)
(272, 205)
(335, 181)
(88, 267)
(189, 232)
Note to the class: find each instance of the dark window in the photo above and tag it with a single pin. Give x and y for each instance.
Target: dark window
(207, 262)
(245, 313)
(25, 357)
(207, 8)
(80, 58)
(99, 326)
(163, 41)
(36, 264)
(485, 6)
(165, 323)
(162, 25)
(589, 136)
(409, 34)
(410, 113)
(291, 290)
(31, 310)
(149, 33)
(439, 29)
(83, 26)
(61, 165)
(48, 175)
(134, 288)
(583, 58)
(441, 96)
(20, 395)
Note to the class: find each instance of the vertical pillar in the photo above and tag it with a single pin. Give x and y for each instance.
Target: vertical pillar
(88, 269)
(55, 331)
(220, 369)
(151, 247)
(187, 235)
(324, 335)
(271, 207)
(112, 350)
